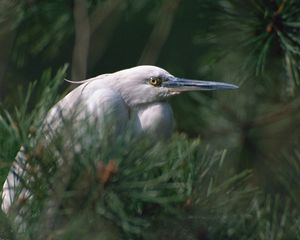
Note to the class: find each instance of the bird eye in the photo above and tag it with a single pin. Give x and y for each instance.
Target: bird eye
(156, 81)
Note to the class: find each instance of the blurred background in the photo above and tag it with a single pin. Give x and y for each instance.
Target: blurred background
(253, 43)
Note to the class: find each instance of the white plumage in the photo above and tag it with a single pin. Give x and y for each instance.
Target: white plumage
(129, 100)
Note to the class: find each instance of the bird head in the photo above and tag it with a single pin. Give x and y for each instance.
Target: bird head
(147, 84)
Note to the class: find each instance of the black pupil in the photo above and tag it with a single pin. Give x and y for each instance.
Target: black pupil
(155, 81)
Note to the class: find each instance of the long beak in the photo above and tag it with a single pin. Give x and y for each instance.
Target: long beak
(182, 85)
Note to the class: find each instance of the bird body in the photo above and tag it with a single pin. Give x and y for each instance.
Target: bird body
(132, 100)
(112, 99)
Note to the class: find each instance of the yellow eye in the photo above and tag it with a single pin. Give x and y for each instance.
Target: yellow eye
(156, 82)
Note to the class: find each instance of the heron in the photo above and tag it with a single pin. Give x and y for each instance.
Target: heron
(133, 99)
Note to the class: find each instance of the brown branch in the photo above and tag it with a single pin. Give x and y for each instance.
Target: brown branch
(104, 11)
(283, 113)
(103, 21)
(160, 32)
(279, 10)
(82, 40)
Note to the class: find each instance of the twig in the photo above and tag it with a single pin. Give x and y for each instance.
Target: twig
(103, 21)
(279, 10)
(160, 32)
(82, 40)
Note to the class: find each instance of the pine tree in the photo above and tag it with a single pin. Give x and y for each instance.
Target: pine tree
(231, 169)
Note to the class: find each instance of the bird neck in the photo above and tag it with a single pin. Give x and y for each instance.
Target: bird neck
(155, 119)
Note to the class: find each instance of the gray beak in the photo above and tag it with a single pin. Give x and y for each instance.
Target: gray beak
(182, 85)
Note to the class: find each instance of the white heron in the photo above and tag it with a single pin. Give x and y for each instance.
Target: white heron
(132, 99)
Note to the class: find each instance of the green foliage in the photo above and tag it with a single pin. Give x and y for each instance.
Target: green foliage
(17, 128)
(261, 30)
(42, 31)
(147, 184)
(180, 189)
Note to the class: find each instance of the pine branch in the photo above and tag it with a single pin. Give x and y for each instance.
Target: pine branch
(264, 30)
